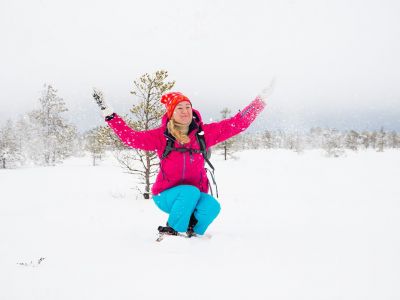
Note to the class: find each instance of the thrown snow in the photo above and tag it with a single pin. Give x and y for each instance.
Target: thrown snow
(291, 227)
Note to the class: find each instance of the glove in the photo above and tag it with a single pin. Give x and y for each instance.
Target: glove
(267, 91)
(99, 98)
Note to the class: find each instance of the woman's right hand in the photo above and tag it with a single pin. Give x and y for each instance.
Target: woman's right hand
(267, 91)
(99, 98)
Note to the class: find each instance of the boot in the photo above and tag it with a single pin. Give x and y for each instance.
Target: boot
(192, 222)
(167, 230)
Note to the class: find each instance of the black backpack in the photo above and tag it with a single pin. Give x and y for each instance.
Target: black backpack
(203, 150)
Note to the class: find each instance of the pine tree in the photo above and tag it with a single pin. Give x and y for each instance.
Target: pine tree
(9, 152)
(298, 142)
(147, 115)
(365, 139)
(333, 143)
(316, 137)
(393, 139)
(381, 140)
(268, 139)
(95, 143)
(352, 140)
(23, 136)
(373, 138)
(227, 145)
(54, 137)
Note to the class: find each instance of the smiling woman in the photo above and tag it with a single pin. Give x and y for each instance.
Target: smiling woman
(180, 114)
(181, 187)
(183, 113)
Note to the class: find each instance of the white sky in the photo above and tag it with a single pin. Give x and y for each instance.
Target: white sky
(332, 59)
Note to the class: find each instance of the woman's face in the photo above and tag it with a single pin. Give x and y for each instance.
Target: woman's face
(183, 113)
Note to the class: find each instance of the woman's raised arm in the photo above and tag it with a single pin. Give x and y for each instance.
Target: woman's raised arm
(148, 140)
(218, 132)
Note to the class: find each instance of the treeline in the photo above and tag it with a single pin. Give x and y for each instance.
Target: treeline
(333, 141)
(44, 137)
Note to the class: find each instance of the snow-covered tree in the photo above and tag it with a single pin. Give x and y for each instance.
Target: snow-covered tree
(380, 140)
(9, 150)
(315, 138)
(268, 140)
(145, 115)
(393, 139)
(53, 136)
(227, 146)
(352, 140)
(333, 143)
(364, 139)
(299, 142)
(23, 135)
(294, 141)
(95, 143)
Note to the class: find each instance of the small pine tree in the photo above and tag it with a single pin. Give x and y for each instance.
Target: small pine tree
(332, 143)
(298, 143)
(373, 139)
(268, 139)
(393, 140)
(227, 145)
(381, 140)
(364, 139)
(23, 136)
(146, 115)
(53, 136)
(352, 140)
(95, 144)
(9, 151)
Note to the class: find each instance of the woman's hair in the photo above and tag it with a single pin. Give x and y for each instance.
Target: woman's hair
(176, 133)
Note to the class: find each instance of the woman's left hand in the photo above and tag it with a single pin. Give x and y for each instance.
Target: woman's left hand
(99, 98)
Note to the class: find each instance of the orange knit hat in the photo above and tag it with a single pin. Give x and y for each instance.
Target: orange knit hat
(171, 100)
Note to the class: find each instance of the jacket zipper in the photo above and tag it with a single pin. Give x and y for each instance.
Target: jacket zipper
(191, 156)
(163, 173)
(184, 166)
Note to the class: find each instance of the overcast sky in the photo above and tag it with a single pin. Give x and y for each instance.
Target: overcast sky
(337, 62)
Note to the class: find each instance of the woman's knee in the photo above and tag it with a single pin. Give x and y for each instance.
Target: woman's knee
(190, 191)
(209, 205)
(215, 208)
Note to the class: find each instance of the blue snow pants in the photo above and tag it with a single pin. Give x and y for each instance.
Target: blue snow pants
(183, 200)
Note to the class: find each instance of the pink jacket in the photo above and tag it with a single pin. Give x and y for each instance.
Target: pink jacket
(184, 167)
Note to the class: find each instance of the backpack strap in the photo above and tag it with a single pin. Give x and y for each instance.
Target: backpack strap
(168, 148)
(202, 142)
(214, 182)
(203, 150)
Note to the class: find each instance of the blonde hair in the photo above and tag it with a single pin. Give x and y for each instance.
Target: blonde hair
(173, 128)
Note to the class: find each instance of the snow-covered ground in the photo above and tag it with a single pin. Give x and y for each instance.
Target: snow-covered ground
(291, 227)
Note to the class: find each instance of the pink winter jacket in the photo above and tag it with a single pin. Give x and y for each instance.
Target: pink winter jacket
(184, 167)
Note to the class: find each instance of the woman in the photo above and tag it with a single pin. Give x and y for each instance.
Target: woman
(181, 186)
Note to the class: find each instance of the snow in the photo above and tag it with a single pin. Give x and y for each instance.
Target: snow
(292, 226)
